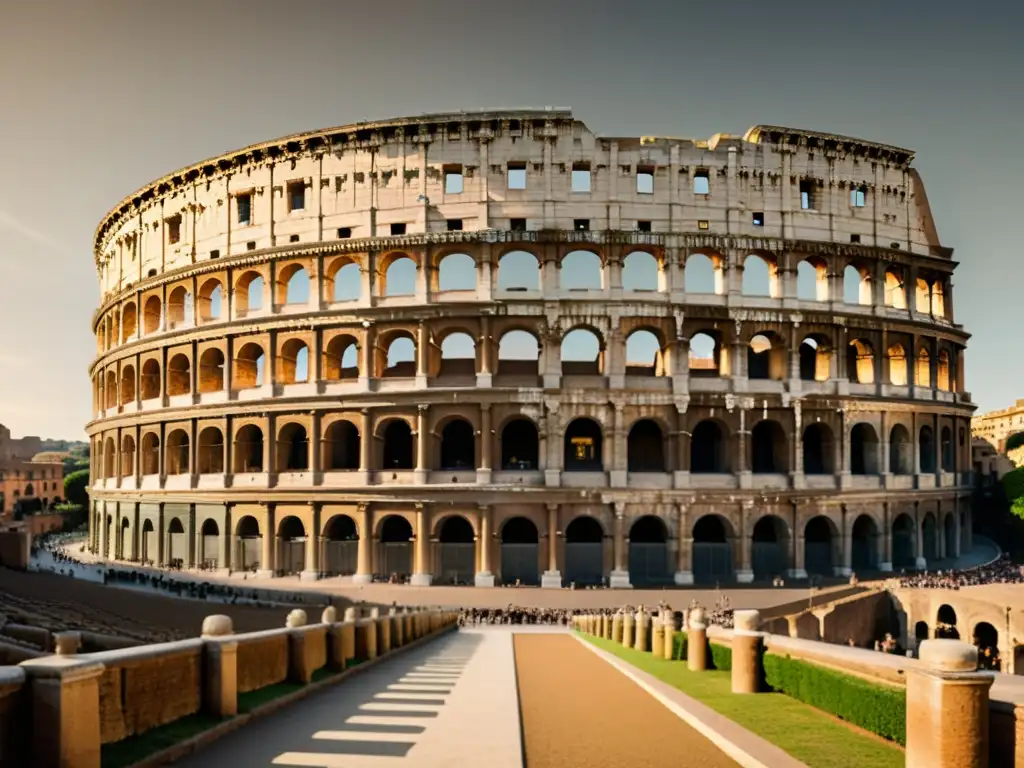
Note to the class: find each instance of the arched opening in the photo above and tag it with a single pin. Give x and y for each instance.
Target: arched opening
(860, 362)
(340, 546)
(400, 278)
(930, 537)
(110, 388)
(581, 271)
(518, 271)
(127, 456)
(177, 542)
(921, 631)
(812, 280)
(127, 384)
(640, 272)
(109, 462)
(863, 450)
(897, 365)
(769, 549)
(341, 446)
(648, 552)
(945, 623)
(895, 290)
(986, 638)
(124, 544)
(395, 547)
(152, 315)
(901, 451)
(293, 362)
(644, 355)
(904, 542)
(457, 551)
(176, 453)
(129, 322)
(345, 284)
(705, 357)
(818, 449)
(458, 355)
(946, 449)
(211, 370)
(209, 544)
(815, 359)
(211, 451)
(584, 552)
(645, 447)
(581, 353)
(292, 448)
(248, 366)
(456, 272)
(708, 452)
(180, 308)
(583, 446)
(520, 445)
(397, 450)
(760, 277)
(949, 536)
(769, 452)
(341, 359)
(211, 297)
(249, 294)
(179, 376)
(942, 372)
(926, 444)
(248, 540)
(819, 559)
(519, 552)
(248, 449)
(147, 542)
(857, 285)
(864, 544)
(400, 361)
(291, 546)
(766, 358)
(150, 454)
(518, 354)
(923, 369)
(712, 550)
(458, 445)
(702, 274)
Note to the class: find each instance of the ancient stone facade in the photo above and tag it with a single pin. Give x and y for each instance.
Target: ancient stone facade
(30, 480)
(468, 347)
(996, 426)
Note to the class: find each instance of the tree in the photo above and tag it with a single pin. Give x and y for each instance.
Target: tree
(1016, 440)
(76, 487)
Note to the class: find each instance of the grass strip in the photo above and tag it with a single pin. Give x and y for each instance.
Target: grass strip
(807, 734)
(131, 750)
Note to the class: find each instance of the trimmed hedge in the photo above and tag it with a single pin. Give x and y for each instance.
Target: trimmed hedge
(678, 646)
(876, 708)
(721, 657)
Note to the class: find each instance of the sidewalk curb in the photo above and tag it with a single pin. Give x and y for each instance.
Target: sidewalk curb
(182, 749)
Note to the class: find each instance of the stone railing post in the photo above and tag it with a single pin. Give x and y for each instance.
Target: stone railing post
(617, 627)
(697, 642)
(947, 707)
(298, 669)
(641, 630)
(627, 629)
(747, 644)
(67, 643)
(397, 625)
(65, 707)
(658, 635)
(669, 636)
(220, 667)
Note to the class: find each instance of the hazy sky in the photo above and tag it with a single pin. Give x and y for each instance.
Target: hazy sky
(98, 97)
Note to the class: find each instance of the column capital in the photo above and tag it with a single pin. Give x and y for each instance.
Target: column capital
(552, 507)
(620, 510)
(363, 507)
(422, 407)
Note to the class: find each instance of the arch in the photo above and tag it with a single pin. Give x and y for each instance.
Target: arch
(400, 360)
(345, 281)
(456, 272)
(930, 537)
(640, 272)
(645, 447)
(815, 358)
(129, 321)
(904, 542)
(341, 359)
(857, 285)
(176, 453)
(457, 550)
(397, 447)
(518, 271)
(211, 300)
(942, 372)
(210, 454)
(769, 448)
(150, 454)
(921, 631)
(520, 445)
(293, 362)
(248, 553)
(818, 449)
(292, 285)
(124, 543)
(704, 274)
(248, 450)
(581, 353)
(946, 451)
(518, 354)
(341, 528)
(396, 546)
(897, 357)
(949, 535)
(708, 448)
(581, 271)
(760, 277)
(179, 375)
(292, 448)
(644, 354)
(341, 446)
(860, 362)
(945, 623)
(901, 451)
(923, 369)
(864, 541)
(127, 456)
(986, 638)
(110, 389)
(177, 541)
(249, 293)
(820, 537)
(109, 462)
(812, 280)
(152, 315)
(648, 552)
(458, 355)
(769, 551)
(458, 445)
(211, 370)
(863, 449)
(180, 308)
(399, 278)
(766, 357)
(706, 356)
(248, 366)
(926, 449)
(149, 381)
(938, 299)
(922, 296)
(127, 384)
(291, 545)
(712, 550)
(520, 544)
(584, 551)
(247, 526)
(895, 290)
(583, 444)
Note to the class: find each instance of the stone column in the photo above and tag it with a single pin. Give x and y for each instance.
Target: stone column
(745, 574)
(422, 355)
(484, 578)
(552, 578)
(483, 472)
(268, 564)
(65, 704)
(483, 376)
(657, 636)
(311, 572)
(684, 552)
(422, 444)
(617, 627)
(619, 578)
(422, 575)
(640, 641)
(947, 708)
(364, 557)
(628, 634)
(747, 642)
(220, 673)
(697, 642)
(367, 357)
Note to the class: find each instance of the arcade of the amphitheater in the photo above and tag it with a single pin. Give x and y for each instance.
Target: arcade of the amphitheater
(368, 351)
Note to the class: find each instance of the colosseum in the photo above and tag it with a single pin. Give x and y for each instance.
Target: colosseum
(496, 347)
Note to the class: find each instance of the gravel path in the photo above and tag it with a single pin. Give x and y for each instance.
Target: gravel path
(580, 712)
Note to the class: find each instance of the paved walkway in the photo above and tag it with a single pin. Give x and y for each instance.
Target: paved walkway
(449, 704)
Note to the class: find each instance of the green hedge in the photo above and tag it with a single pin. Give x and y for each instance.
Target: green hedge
(876, 708)
(679, 646)
(721, 657)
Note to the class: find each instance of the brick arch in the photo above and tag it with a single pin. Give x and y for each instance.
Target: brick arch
(437, 522)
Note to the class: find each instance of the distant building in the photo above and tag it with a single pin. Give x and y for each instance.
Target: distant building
(30, 480)
(996, 426)
(989, 464)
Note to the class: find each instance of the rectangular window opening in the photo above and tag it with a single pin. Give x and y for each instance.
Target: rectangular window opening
(703, 224)
(517, 225)
(854, 238)
(344, 233)
(173, 229)
(244, 204)
(293, 239)
(859, 197)
(251, 245)
(807, 195)
(701, 183)
(296, 196)
(758, 218)
(454, 225)
(645, 180)
(581, 225)
(517, 175)
(643, 226)
(215, 254)
(453, 179)
(398, 229)
(581, 177)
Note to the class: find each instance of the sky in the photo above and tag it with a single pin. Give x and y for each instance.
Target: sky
(99, 97)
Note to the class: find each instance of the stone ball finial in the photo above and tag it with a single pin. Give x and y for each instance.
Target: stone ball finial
(329, 616)
(697, 617)
(67, 643)
(948, 655)
(350, 614)
(296, 618)
(217, 625)
(392, 611)
(746, 621)
(375, 613)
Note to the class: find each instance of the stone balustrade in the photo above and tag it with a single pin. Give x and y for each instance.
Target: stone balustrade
(75, 704)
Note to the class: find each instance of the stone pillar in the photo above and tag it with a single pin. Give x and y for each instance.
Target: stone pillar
(366, 439)
(364, 557)
(617, 627)
(220, 667)
(658, 636)
(422, 575)
(483, 472)
(484, 578)
(628, 636)
(697, 642)
(483, 376)
(267, 558)
(670, 637)
(747, 642)
(422, 355)
(619, 577)
(683, 575)
(640, 642)
(947, 707)
(552, 578)
(311, 571)
(422, 444)
(65, 705)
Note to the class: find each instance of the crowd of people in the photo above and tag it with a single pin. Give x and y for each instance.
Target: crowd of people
(514, 614)
(1002, 571)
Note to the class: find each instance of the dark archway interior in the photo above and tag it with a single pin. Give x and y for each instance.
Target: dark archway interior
(707, 449)
(758, 363)
(648, 530)
(901, 457)
(583, 446)
(458, 445)
(927, 453)
(520, 445)
(903, 542)
(646, 447)
(398, 452)
(174, 526)
(342, 446)
(210, 527)
(710, 529)
(921, 630)
(341, 528)
(292, 528)
(456, 530)
(584, 530)
(808, 362)
(818, 547)
(767, 448)
(519, 530)
(247, 528)
(864, 544)
(863, 450)
(295, 446)
(817, 445)
(395, 529)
